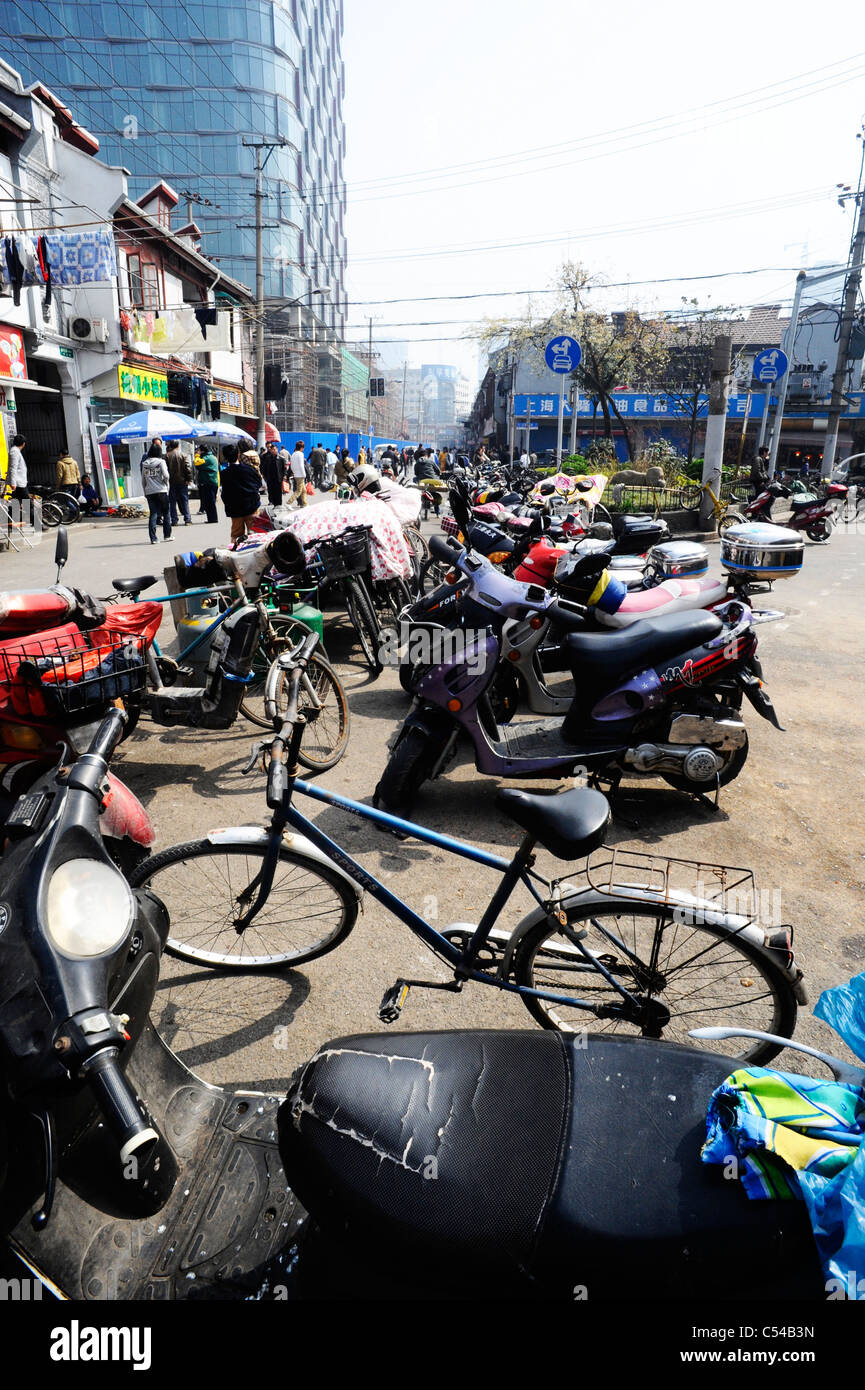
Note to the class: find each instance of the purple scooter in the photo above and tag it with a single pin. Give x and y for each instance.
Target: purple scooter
(662, 697)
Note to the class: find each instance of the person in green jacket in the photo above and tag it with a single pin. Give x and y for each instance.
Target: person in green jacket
(207, 478)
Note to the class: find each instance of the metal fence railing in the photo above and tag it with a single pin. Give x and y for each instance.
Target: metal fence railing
(623, 497)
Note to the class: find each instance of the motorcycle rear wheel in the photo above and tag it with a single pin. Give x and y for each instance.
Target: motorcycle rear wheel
(729, 772)
(819, 530)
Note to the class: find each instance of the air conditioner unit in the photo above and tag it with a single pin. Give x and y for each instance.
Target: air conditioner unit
(88, 330)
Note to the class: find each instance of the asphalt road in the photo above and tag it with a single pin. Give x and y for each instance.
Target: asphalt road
(795, 815)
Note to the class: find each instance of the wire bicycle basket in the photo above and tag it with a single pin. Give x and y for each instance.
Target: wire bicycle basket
(52, 675)
(339, 557)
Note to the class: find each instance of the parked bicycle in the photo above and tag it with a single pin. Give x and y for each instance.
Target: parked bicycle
(323, 693)
(652, 960)
(691, 498)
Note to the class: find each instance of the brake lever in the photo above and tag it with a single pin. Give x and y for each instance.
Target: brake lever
(256, 755)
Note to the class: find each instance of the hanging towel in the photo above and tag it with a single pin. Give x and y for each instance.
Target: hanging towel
(206, 315)
(82, 258)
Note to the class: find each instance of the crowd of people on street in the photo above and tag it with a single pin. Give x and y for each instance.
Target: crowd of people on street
(240, 476)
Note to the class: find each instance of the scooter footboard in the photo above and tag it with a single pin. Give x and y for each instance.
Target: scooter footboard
(225, 1228)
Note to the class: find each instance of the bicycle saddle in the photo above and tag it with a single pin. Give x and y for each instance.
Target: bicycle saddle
(527, 1163)
(134, 586)
(569, 824)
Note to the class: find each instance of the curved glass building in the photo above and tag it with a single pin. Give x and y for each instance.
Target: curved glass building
(171, 88)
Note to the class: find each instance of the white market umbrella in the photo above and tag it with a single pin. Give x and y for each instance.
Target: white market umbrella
(221, 429)
(153, 424)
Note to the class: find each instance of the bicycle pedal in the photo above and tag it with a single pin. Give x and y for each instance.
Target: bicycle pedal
(186, 674)
(393, 1001)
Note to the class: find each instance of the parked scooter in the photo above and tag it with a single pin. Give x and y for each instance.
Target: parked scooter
(814, 515)
(124, 1177)
(661, 698)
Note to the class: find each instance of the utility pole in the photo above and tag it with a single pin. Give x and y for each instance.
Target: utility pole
(719, 390)
(258, 146)
(404, 374)
(851, 295)
(369, 396)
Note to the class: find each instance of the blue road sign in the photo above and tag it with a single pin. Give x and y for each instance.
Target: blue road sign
(770, 364)
(563, 354)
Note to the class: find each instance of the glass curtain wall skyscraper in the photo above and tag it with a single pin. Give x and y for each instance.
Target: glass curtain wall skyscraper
(172, 87)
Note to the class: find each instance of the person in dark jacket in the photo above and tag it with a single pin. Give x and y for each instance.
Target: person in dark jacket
(240, 485)
(317, 461)
(207, 477)
(273, 472)
(759, 475)
(180, 476)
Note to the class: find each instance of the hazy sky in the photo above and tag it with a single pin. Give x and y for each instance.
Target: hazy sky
(490, 140)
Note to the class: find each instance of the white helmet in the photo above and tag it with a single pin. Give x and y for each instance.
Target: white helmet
(365, 479)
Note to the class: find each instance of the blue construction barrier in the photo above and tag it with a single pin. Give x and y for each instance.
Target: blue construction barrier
(337, 442)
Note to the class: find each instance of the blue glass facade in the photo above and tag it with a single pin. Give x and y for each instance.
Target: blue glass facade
(171, 88)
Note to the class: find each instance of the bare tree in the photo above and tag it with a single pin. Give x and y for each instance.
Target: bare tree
(688, 370)
(618, 350)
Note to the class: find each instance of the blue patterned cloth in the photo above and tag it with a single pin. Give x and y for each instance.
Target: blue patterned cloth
(82, 258)
(794, 1136)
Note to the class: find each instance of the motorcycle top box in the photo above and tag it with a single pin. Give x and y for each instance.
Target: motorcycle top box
(680, 560)
(758, 550)
(637, 534)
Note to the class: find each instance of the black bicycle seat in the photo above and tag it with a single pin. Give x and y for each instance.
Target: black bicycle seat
(134, 586)
(569, 824)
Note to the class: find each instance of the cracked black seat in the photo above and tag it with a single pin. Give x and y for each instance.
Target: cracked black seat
(527, 1163)
(643, 644)
(569, 824)
(134, 586)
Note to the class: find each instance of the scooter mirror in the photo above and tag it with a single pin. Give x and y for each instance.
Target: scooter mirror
(61, 550)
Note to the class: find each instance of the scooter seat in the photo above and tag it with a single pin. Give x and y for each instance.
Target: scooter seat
(643, 643)
(569, 824)
(537, 1161)
(801, 501)
(134, 586)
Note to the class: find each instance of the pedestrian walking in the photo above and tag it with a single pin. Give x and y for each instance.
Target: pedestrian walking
(179, 478)
(759, 475)
(330, 462)
(207, 478)
(317, 460)
(68, 474)
(273, 472)
(240, 485)
(345, 467)
(156, 481)
(16, 477)
(298, 474)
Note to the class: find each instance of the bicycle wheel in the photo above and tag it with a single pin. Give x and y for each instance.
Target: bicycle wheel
(52, 515)
(68, 506)
(288, 632)
(690, 498)
(363, 620)
(729, 519)
(205, 886)
(323, 702)
(389, 599)
(685, 977)
(417, 543)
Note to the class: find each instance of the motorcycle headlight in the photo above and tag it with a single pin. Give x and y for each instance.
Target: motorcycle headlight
(89, 907)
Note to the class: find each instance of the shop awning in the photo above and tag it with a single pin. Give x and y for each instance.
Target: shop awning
(28, 385)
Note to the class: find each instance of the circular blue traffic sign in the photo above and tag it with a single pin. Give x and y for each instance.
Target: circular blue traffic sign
(770, 364)
(563, 354)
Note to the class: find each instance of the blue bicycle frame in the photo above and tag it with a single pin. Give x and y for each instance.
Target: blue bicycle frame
(513, 871)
